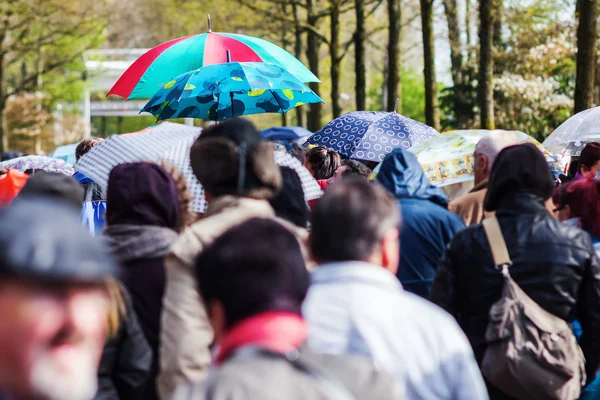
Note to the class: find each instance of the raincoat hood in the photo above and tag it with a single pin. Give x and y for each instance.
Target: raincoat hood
(402, 175)
(142, 193)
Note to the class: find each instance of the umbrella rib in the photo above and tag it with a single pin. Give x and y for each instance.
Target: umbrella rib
(278, 103)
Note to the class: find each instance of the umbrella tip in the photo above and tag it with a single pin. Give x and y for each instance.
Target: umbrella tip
(208, 20)
(396, 106)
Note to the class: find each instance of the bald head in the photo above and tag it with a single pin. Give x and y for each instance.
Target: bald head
(486, 151)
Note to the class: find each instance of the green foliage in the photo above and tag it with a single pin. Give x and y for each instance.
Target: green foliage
(413, 95)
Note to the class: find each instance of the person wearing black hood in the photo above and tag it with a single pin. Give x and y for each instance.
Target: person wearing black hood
(553, 263)
(146, 210)
(427, 225)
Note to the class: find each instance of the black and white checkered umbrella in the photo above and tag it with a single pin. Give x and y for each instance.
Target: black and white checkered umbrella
(170, 142)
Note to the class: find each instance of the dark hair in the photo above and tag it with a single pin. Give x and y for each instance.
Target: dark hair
(289, 204)
(323, 162)
(86, 145)
(254, 267)
(215, 160)
(355, 169)
(349, 221)
(589, 156)
(299, 153)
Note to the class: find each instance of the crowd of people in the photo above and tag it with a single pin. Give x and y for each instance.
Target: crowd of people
(380, 289)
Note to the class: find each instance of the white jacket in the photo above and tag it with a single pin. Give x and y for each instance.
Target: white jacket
(360, 308)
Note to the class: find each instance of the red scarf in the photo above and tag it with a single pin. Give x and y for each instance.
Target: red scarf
(280, 332)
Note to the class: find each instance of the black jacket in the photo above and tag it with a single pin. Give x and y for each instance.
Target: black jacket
(554, 264)
(126, 361)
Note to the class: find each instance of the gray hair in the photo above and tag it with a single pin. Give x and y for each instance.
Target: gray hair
(493, 143)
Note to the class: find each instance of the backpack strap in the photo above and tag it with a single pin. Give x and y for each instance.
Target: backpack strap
(497, 243)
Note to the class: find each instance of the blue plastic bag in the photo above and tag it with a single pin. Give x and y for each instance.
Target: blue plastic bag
(93, 216)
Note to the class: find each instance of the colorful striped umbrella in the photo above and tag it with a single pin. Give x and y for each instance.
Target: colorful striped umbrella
(166, 61)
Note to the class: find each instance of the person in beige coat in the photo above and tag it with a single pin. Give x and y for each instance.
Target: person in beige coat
(239, 174)
(470, 207)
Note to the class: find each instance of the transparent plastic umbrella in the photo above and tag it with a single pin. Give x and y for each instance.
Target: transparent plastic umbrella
(570, 137)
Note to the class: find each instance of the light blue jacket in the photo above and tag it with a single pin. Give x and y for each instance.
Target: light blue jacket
(360, 308)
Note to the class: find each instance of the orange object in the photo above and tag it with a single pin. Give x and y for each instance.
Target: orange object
(10, 185)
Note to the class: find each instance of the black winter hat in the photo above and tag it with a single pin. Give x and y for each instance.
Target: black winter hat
(43, 239)
(56, 185)
(519, 169)
(215, 160)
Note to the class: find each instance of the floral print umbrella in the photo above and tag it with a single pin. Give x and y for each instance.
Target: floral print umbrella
(45, 163)
(448, 158)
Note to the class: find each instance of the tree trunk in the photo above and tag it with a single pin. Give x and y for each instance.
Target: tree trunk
(468, 24)
(284, 45)
(334, 52)
(360, 88)
(298, 54)
(313, 44)
(486, 64)
(456, 57)
(586, 41)
(394, 67)
(498, 10)
(432, 109)
(3, 138)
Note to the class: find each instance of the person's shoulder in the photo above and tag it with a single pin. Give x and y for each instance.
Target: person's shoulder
(356, 373)
(435, 321)
(544, 228)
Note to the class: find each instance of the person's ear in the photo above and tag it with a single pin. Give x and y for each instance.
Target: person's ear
(216, 316)
(390, 250)
(484, 165)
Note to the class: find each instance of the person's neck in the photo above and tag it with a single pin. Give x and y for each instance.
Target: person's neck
(279, 332)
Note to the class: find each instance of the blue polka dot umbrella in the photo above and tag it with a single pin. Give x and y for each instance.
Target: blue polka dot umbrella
(369, 135)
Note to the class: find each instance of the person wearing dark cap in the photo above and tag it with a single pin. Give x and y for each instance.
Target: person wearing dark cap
(253, 280)
(54, 185)
(53, 302)
(553, 263)
(237, 169)
(588, 163)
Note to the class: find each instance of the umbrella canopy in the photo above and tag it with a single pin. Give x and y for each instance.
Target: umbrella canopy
(157, 144)
(166, 61)
(66, 153)
(448, 158)
(286, 133)
(369, 135)
(45, 163)
(221, 91)
(573, 134)
(171, 143)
